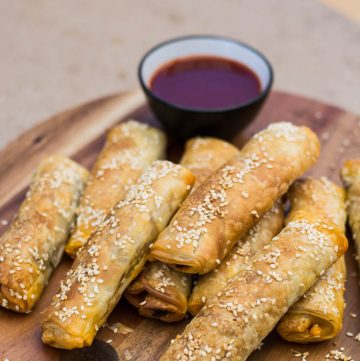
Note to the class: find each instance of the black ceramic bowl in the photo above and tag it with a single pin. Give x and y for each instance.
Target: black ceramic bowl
(186, 122)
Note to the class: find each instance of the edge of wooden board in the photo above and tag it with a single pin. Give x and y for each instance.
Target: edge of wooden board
(65, 133)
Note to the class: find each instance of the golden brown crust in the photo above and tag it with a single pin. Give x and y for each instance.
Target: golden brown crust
(203, 155)
(233, 323)
(130, 147)
(351, 176)
(238, 258)
(33, 245)
(319, 194)
(159, 291)
(318, 315)
(114, 256)
(213, 218)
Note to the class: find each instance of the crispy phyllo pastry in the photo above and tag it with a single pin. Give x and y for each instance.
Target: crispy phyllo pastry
(230, 202)
(130, 147)
(318, 315)
(203, 155)
(233, 323)
(115, 254)
(34, 243)
(162, 292)
(238, 259)
(351, 176)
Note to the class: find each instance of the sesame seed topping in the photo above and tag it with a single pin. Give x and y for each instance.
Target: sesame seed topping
(22, 246)
(118, 158)
(86, 278)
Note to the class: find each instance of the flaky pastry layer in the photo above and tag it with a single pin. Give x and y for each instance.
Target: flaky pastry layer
(159, 291)
(318, 315)
(34, 243)
(115, 254)
(224, 208)
(233, 323)
(238, 259)
(129, 148)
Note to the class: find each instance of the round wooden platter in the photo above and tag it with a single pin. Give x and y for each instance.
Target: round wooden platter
(79, 133)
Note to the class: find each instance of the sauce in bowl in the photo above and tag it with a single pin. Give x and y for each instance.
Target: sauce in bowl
(205, 82)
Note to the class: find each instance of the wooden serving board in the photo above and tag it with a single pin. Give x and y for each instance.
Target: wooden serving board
(79, 133)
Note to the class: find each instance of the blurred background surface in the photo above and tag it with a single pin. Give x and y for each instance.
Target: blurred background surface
(57, 54)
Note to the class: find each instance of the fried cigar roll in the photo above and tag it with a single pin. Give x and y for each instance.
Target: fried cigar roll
(34, 243)
(114, 256)
(318, 315)
(234, 322)
(224, 208)
(130, 147)
(159, 291)
(351, 177)
(238, 258)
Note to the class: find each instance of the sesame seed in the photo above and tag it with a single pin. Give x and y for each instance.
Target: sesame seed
(338, 355)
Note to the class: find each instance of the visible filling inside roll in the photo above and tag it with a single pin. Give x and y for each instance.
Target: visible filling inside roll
(305, 327)
(152, 306)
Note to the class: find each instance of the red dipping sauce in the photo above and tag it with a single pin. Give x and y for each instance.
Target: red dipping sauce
(205, 82)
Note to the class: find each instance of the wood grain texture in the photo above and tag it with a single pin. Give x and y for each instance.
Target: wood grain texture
(79, 133)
